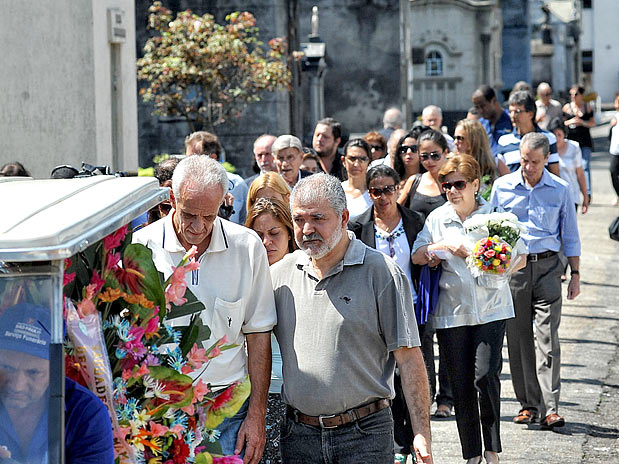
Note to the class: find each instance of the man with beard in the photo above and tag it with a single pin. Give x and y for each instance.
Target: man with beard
(345, 318)
(326, 140)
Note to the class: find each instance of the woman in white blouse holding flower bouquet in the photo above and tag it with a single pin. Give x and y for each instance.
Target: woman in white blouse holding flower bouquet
(469, 318)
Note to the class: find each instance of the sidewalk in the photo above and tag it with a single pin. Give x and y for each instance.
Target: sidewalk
(590, 349)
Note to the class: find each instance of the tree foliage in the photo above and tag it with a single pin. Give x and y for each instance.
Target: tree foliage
(207, 73)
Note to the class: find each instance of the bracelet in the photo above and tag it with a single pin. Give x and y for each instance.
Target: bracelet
(575, 272)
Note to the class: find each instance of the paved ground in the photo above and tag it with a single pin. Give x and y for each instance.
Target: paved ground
(590, 355)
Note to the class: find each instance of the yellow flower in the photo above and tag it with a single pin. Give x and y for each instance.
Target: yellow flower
(496, 262)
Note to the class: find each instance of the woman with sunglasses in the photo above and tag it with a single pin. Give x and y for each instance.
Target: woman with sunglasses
(579, 119)
(391, 229)
(356, 159)
(406, 159)
(469, 319)
(377, 143)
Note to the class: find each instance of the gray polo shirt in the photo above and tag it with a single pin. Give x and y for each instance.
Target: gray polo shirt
(337, 334)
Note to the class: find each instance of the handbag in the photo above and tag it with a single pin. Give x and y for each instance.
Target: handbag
(427, 296)
(613, 229)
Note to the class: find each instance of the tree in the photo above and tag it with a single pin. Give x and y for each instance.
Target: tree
(207, 73)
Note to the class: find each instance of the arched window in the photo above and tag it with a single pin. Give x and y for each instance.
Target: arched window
(434, 64)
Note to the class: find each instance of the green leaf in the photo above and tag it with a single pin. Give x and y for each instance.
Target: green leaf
(151, 285)
(189, 336)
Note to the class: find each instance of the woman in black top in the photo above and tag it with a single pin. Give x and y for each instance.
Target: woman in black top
(578, 120)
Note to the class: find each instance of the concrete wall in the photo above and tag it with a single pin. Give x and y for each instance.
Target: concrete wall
(516, 61)
(55, 98)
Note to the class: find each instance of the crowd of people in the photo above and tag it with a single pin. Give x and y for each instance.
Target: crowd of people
(332, 269)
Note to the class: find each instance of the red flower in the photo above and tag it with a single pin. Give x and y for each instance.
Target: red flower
(115, 239)
(130, 276)
(179, 451)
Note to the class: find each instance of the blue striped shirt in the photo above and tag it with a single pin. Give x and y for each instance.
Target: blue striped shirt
(509, 148)
(546, 211)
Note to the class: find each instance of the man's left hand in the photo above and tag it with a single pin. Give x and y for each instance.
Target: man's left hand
(423, 454)
(573, 289)
(251, 436)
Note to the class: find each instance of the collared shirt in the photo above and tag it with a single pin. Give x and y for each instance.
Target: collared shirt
(337, 334)
(546, 211)
(233, 283)
(503, 126)
(461, 301)
(509, 148)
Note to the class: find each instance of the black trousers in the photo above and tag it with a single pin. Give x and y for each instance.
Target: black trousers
(474, 361)
(614, 172)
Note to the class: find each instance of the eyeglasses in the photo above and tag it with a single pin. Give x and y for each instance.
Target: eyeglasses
(435, 156)
(357, 159)
(377, 148)
(459, 184)
(518, 111)
(377, 192)
(406, 148)
(459, 138)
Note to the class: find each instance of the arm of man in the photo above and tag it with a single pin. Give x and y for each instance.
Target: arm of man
(417, 395)
(252, 433)
(573, 288)
(554, 168)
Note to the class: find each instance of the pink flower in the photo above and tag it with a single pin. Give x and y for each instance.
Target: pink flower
(228, 460)
(85, 308)
(199, 390)
(112, 261)
(115, 239)
(68, 278)
(197, 356)
(177, 430)
(216, 351)
(97, 282)
(189, 410)
(143, 370)
(157, 430)
(176, 290)
(135, 347)
(126, 375)
(152, 327)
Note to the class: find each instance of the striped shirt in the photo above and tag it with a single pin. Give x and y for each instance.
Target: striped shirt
(509, 148)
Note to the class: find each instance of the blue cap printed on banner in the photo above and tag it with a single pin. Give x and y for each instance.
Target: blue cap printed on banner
(26, 328)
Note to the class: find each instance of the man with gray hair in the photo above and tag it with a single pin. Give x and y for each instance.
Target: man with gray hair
(345, 318)
(288, 153)
(234, 284)
(432, 116)
(544, 206)
(263, 156)
(392, 120)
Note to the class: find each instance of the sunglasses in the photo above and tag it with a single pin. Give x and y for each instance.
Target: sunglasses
(406, 148)
(459, 138)
(377, 192)
(355, 159)
(459, 184)
(377, 148)
(435, 156)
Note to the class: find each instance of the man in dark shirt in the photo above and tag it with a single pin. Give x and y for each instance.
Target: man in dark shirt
(327, 138)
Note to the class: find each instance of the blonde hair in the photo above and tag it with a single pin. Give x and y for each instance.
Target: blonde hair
(480, 147)
(278, 210)
(270, 180)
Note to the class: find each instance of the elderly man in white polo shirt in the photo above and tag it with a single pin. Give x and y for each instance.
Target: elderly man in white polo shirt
(234, 284)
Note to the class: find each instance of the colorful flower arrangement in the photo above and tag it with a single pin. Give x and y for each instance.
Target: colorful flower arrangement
(146, 371)
(496, 238)
(492, 255)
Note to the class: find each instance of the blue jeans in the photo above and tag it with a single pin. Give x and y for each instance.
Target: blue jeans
(229, 430)
(586, 160)
(369, 440)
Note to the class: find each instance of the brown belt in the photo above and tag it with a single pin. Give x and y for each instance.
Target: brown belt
(332, 421)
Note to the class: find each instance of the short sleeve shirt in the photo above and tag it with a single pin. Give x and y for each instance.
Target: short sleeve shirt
(337, 334)
(233, 283)
(509, 148)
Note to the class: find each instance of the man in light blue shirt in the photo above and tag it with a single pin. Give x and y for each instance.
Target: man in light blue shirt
(544, 206)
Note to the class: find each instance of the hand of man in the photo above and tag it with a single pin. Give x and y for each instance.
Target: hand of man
(573, 288)
(585, 205)
(252, 437)
(423, 454)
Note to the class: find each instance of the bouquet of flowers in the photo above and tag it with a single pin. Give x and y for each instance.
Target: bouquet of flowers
(146, 372)
(497, 244)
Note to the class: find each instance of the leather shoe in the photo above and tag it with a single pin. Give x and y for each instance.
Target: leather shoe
(525, 416)
(553, 420)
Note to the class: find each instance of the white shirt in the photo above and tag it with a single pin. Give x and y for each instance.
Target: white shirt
(233, 283)
(359, 205)
(568, 163)
(614, 137)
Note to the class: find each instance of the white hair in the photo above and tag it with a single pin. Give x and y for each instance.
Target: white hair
(392, 118)
(318, 187)
(432, 109)
(199, 170)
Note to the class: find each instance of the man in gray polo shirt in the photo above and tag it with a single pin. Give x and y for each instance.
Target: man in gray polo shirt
(345, 317)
